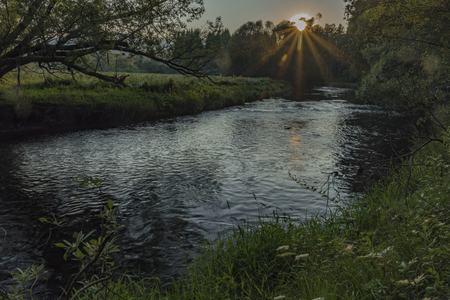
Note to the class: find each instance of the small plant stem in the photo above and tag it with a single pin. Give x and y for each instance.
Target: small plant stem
(96, 257)
(409, 178)
(91, 284)
(4, 294)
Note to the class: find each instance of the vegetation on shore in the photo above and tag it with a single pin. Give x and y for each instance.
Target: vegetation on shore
(86, 101)
(401, 62)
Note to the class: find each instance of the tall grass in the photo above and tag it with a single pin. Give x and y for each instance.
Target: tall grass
(64, 101)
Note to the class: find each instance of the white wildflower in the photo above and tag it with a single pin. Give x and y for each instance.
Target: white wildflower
(282, 248)
(301, 256)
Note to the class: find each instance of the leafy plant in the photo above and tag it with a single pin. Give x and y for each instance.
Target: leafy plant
(94, 253)
(25, 282)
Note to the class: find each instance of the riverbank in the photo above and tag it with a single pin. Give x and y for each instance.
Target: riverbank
(62, 104)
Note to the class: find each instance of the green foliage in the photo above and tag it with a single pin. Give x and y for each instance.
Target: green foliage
(249, 49)
(26, 279)
(406, 56)
(125, 287)
(74, 36)
(240, 264)
(96, 278)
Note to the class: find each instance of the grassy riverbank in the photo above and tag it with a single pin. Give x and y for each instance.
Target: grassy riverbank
(62, 102)
(392, 243)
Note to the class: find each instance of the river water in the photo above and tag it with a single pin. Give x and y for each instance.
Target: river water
(180, 180)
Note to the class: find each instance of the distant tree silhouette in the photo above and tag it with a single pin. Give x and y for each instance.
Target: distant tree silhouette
(256, 49)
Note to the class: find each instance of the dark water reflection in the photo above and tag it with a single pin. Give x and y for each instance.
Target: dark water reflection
(174, 179)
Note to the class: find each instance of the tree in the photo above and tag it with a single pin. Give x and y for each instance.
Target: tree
(249, 48)
(67, 33)
(406, 44)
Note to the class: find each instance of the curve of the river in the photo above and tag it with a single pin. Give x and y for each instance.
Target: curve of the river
(180, 180)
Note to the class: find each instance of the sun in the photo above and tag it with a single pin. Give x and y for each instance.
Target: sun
(300, 24)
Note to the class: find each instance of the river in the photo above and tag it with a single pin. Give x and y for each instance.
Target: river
(180, 180)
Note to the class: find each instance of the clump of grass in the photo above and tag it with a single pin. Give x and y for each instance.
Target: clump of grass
(239, 265)
(125, 287)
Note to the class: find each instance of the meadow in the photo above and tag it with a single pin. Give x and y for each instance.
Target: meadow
(51, 101)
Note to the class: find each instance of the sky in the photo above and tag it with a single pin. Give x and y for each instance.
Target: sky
(234, 13)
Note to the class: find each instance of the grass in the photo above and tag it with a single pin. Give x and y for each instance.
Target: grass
(60, 101)
(344, 84)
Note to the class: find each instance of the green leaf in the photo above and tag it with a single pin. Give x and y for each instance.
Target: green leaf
(79, 254)
(89, 234)
(61, 245)
(110, 203)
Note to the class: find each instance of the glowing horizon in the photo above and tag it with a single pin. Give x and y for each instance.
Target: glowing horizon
(311, 40)
(299, 23)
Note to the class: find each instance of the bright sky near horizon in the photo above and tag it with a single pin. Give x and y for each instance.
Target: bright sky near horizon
(234, 13)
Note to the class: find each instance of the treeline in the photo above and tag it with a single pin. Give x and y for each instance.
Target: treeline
(259, 49)
(283, 52)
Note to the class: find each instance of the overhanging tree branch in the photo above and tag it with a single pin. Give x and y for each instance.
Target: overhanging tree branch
(67, 33)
